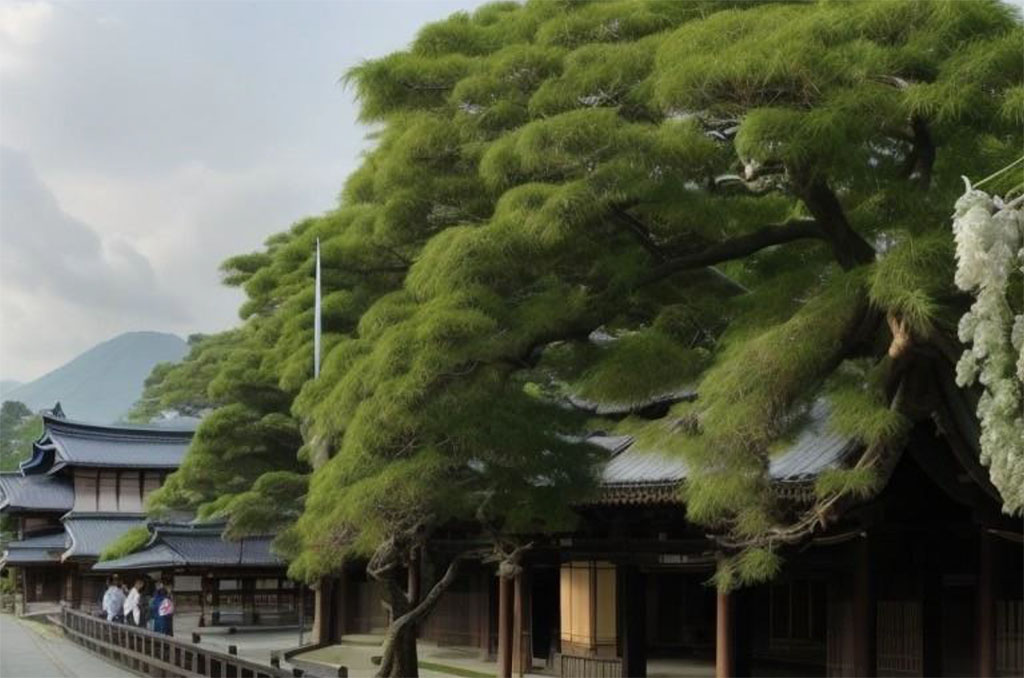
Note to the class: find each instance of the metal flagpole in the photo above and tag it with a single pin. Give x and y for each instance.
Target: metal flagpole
(316, 373)
(316, 316)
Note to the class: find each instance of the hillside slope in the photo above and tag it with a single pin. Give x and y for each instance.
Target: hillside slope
(103, 383)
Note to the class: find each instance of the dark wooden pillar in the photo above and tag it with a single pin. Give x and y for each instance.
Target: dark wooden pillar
(248, 594)
(723, 637)
(215, 612)
(632, 587)
(505, 621)
(522, 660)
(931, 617)
(986, 606)
(204, 595)
(341, 591)
(863, 600)
(743, 615)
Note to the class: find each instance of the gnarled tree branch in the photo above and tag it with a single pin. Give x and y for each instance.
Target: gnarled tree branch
(742, 246)
(849, 248)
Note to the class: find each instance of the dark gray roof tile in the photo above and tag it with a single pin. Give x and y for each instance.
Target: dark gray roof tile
(196, 545)
(814, 449)
(81, 444)
(90, 533)
(35, 493)
(40, 549)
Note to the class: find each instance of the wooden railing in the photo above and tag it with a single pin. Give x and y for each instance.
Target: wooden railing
(156, 654)
(573, 666)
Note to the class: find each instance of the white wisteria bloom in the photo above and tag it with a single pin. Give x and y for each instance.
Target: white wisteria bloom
(989, 248)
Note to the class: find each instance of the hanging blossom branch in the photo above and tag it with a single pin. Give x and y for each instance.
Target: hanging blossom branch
(990, 250)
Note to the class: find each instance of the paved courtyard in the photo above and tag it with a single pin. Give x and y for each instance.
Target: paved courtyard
(34, 650)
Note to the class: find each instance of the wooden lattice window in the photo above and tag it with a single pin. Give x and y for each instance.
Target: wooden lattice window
(899, 640)
(797, 613)
(1009, 638)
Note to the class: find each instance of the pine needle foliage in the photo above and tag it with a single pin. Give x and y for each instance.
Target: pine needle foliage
(131, 541)
(550, 172)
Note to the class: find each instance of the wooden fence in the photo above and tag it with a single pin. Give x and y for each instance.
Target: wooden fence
(155, 654)
(573, 666)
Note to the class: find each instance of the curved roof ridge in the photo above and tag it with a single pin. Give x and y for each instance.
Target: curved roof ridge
(83, 428)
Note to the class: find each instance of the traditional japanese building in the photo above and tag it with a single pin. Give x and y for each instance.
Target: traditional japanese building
(83, 487)
(228, 582)
(923, 579)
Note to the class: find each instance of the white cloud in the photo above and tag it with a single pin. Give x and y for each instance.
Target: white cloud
(165, 138)
(22, 26)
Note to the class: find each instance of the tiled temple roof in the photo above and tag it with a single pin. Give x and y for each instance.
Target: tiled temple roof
(90, 533)
(70, 443)
(635, 475)
(35, 493)
(179, 545)
(38, 550)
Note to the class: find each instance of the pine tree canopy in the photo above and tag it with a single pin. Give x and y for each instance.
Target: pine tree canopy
(611, 201)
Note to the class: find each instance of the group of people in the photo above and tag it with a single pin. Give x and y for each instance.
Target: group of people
(128, 606)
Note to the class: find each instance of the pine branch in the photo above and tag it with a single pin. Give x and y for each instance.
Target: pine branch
(849, 248)
(387, 268)
(742, 246)
(640, 231)
(922, 157)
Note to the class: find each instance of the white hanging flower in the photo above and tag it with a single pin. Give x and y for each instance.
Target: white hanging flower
(989, 237)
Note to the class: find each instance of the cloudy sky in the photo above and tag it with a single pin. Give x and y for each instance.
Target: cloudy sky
(141, 143)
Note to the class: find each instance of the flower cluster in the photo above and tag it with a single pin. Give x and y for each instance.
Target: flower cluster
(990, 256)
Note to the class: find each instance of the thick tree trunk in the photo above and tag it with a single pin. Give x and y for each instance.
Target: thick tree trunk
(398, 656)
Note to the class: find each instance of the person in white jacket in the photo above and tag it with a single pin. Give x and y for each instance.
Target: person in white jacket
(113, 600)
(132, 611)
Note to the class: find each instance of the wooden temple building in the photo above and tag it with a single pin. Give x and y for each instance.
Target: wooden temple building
(238, 583)
(923, 579)
(84, 486)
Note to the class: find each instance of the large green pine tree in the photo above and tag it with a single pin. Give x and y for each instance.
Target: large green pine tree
(550, 171)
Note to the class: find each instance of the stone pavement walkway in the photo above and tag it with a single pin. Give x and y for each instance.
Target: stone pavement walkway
(35, 650)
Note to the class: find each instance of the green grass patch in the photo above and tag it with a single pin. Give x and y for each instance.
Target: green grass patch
(453, 670)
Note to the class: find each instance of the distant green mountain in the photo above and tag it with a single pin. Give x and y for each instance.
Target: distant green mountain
(103, 383)
(8, 385)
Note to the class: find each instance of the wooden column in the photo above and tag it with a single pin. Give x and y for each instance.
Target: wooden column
(505, 621)
(633, 621)
(215, 612)
(863, 610)
(744, 613)
(723, 637)
(340, 592)
(986, 607)
(248, 594)
(204, 591)
(521, 660)
(481, 612)
(321, 611)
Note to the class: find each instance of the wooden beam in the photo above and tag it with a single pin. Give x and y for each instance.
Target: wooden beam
(723, 637)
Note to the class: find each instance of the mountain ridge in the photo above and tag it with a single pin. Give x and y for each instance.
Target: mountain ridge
(102, 383)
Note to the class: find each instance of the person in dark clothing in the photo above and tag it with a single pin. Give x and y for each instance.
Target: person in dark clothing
(161, 609)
